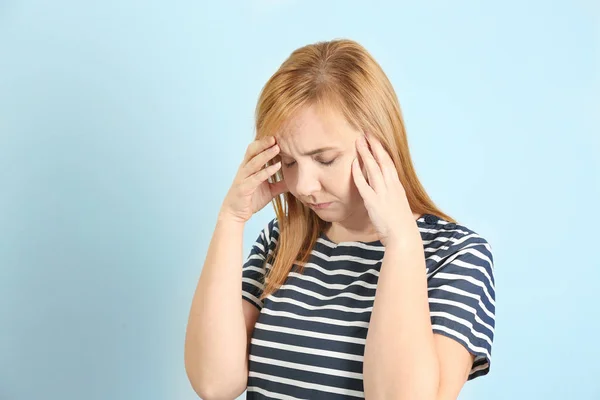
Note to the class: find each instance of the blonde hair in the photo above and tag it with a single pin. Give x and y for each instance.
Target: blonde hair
(337, 75)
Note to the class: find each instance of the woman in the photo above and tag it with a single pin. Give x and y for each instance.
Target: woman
(360, 287)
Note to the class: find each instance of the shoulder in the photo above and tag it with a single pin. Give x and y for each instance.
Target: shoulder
(272, 230)
(268, 236)
(446, 242)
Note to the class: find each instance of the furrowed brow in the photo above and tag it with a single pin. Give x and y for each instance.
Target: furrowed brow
(312, 152)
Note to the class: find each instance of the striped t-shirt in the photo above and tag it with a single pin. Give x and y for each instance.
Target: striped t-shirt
(309, 339)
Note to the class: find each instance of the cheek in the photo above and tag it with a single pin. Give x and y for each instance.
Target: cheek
(340, 179)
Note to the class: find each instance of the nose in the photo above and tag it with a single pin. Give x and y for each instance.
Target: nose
(307, 183)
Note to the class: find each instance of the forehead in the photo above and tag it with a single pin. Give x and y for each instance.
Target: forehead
(310, 128)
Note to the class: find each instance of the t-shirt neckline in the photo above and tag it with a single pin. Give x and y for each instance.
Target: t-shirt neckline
(421, 219)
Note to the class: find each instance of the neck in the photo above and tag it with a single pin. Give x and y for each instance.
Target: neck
(354, 231)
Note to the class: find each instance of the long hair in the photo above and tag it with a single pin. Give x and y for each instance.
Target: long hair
(337, 75)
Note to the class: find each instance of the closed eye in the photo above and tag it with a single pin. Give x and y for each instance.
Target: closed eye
(327, 163)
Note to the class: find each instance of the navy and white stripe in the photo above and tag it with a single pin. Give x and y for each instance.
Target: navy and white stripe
(308, 342)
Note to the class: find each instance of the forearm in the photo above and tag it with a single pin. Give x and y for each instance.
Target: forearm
(400, 359)
(216, 341)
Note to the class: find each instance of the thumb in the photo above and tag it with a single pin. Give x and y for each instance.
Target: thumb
(278, 188)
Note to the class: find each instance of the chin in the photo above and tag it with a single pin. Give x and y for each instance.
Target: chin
(331, 216)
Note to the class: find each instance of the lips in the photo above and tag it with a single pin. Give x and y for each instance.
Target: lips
(319, 205)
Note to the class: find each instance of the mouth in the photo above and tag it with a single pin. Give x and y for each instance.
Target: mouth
(319, 206)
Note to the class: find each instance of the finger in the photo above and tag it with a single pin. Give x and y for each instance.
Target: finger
(258, 146)
(278, 188)
(386, 164)
(373, 171)
(259, 177)
(361, 183)
(259, 161)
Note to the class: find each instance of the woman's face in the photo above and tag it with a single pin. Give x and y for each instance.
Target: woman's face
(316, 154)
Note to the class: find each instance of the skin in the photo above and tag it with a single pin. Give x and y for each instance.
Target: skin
(311, 181)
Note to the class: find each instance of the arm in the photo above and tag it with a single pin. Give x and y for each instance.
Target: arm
(216, 359)
(401, 360)
(404, 358)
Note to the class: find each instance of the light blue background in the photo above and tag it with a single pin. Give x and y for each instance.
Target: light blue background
(123, 123)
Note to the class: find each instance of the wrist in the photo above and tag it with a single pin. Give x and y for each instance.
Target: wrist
(405, 241)
(229, 217)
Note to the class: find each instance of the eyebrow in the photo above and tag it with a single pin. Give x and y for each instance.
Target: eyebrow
(312, 152)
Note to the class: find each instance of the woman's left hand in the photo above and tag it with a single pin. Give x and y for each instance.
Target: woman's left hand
(382, 193)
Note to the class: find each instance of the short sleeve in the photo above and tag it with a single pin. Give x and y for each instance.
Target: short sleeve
(254, 268)
(462, 299)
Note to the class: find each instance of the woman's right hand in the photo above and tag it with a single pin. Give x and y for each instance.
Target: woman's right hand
(250, 190)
